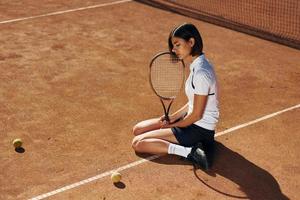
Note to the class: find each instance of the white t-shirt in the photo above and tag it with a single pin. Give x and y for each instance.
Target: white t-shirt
(202, 81)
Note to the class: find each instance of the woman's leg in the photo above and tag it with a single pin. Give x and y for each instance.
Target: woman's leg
(154, 142)
(163, 141)
(146, 126)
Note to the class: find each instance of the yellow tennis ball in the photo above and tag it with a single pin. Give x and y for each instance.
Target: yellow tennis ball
(17, 143)
(116, 177)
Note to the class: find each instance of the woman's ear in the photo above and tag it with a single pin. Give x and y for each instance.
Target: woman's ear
(192, 42)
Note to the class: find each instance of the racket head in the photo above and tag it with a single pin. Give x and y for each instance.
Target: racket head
(166, 75)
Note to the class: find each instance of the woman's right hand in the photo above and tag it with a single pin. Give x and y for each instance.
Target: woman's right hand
(164, 121)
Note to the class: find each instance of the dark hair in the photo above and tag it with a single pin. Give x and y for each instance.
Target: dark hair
(187, 31)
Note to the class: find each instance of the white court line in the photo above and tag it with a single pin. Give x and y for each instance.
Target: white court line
(133, 164)
(64, 11)
(257, 120)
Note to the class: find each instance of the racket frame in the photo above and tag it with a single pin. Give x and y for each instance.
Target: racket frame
(161, 98)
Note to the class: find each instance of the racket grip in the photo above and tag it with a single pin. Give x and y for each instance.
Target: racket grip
(167, 118)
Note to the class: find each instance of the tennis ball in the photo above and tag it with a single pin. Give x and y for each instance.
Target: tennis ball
(116, 177)
(17, 143)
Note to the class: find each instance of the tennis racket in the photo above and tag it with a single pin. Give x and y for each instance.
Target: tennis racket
(166, 79)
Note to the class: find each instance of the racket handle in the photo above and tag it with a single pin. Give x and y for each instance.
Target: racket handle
(167, 118)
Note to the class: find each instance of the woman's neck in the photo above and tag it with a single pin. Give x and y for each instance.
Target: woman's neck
(189, 60)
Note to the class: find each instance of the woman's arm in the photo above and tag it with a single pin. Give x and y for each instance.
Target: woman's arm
(179, 113)
(195, 115)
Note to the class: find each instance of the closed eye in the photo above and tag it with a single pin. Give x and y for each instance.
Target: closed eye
(176, 44)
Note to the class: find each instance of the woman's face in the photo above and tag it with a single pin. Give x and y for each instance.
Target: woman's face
(181, 47)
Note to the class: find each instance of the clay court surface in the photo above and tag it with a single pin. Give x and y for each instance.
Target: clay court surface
(72, 86)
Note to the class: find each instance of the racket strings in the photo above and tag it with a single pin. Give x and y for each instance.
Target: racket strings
(167, 76)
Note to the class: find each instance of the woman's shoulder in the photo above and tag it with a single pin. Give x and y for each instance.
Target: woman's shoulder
(202, 72)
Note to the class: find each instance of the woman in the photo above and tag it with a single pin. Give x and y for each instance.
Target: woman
(192, 127)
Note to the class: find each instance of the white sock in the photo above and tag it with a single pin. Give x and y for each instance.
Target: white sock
(179, 150)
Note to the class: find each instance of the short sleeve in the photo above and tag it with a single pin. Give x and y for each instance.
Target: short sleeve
(201, 82)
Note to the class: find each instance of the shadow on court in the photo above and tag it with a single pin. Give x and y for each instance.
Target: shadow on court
(253, 181)
(20, 150)
(120, 185)
(165, 159)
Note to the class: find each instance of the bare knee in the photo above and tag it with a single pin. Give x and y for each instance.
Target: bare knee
(145, 126)
(137, 130)
(137, 143)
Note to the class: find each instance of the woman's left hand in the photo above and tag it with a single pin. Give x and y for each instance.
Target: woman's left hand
(166, 124)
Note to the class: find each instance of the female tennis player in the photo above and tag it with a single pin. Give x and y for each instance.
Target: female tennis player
(192, 127)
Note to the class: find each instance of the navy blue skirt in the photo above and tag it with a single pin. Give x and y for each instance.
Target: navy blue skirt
(191, 135)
